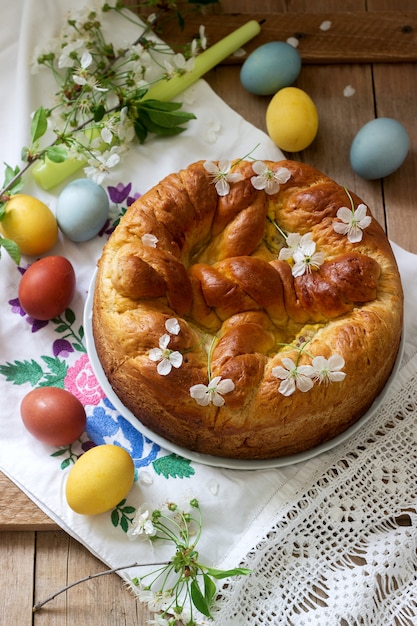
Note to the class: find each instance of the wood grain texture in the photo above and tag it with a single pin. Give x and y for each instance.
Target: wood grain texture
(354, 37)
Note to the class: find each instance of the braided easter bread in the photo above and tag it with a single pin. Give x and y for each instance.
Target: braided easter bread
(248, 310)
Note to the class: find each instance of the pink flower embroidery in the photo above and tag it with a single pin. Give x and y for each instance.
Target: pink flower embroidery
(82, 383)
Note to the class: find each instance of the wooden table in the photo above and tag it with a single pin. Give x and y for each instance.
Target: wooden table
(372, 46)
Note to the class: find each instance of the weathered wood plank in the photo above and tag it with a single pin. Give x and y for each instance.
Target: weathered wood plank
(353, 37)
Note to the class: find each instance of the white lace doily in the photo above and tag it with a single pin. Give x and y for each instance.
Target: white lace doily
(344, 551)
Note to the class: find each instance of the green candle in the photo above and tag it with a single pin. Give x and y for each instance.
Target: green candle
(48, 174)
(168, 89)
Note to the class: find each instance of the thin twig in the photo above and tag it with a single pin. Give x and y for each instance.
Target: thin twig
(39, 605)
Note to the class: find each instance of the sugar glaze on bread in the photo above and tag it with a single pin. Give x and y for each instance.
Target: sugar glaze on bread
(210, 279)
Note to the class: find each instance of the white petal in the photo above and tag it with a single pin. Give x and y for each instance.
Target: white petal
(279, 372)
(271, 187)
(164, 341)
(259, 167)
(224, 166)
(218, 400)
(149, 240)
(234, 177)
(164, 367)
(155, 354)
(210, 167)
(336, 362)
(344, 214)
(304, 383)
(176, 359)
(337, 377)
(298, 269)
(258, 182)
(288, 363)
(287, 387)
(282, 175)
(172, 325)
(340, 228)
(198, 391)
(360, 212)
(355, 234)
(86, 59)
(222, 187)
(225, 386)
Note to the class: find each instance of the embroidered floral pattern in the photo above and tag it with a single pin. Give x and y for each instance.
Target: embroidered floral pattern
(82, 382)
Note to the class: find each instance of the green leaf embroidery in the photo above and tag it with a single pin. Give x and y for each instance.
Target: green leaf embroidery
(120, 515)
(173, 466)
(21, 372)
(57, 372)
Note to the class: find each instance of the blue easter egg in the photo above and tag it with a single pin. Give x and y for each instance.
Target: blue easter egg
(270, 67)
(379, 148)
(82, 210)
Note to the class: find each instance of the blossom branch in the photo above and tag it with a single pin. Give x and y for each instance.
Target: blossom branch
(39, 605)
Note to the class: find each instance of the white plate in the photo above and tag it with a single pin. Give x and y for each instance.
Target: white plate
(239, 464)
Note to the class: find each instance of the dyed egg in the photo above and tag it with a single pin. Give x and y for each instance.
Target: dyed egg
(292, 120)
(47, 287)
(53, 415)
(99, 479)
(29, 223)
(82, 209)
(379, 148)
(270, 67)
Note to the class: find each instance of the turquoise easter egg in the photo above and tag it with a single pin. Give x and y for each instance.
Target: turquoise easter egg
(379, 148)
(82, 209)
(270, 67)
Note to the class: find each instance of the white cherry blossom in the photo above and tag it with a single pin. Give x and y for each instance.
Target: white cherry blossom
(328, 370)
(213, 392)
(352, 222)
(167, 358)
(268, 179)
(293, 376)
(222, 176)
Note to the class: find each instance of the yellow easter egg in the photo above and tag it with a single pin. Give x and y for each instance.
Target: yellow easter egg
(99, 479)
(29, 223)
(292, 120)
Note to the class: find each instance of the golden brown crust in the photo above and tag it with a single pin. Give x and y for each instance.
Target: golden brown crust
(216, 269)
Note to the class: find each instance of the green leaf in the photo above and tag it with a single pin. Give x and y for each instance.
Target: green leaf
(198, 599)
(70, 316)
(161, 105)
(21, 372)
(140, 131)
(166, 118)
(128, 510)
(57, 372)
(56, 154)
(11, 248)
(39, 124)
(99, 113)
(124, 524)
(173, 466)
(59, 452)
(115, 517)
(219, 573)
(65, 463)
(209, 589)
(10, 173)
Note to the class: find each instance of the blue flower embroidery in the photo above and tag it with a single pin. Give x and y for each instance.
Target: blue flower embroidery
(106, 425)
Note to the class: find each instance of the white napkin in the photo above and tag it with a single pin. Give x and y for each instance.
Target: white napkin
(234, 502)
